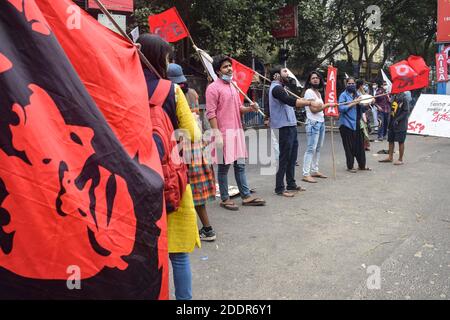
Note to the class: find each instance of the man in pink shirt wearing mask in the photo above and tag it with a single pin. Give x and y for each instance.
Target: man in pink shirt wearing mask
(224, 110)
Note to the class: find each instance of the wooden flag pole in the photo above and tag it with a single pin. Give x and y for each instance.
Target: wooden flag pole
(201, 59)
(124, 34)
(332, 148)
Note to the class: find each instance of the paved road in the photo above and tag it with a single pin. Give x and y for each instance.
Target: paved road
(320, 244)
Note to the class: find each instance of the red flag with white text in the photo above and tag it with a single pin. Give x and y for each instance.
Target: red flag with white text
(330, 93)
(409, 74)
(441, 67)
(168, 25)
(243, 76)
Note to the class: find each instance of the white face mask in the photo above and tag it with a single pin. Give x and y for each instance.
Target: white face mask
(226, 77)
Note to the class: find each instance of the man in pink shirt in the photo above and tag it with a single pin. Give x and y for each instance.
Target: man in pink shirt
(224, 109)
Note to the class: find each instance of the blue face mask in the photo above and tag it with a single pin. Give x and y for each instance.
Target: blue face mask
(226, 78)
(351, 88)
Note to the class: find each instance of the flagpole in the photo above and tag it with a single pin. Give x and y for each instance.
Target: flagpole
(124, 34)
(332, 148)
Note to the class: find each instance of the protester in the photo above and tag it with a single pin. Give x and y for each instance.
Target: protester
(224, 110)
(182, 231)
(315, 129)
(350, 129)
(201, 174)
(384, 107)
(282, 117)
(398, 126)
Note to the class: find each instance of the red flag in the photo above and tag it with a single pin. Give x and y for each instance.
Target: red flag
(441, 67)
(242, 75)
(330, 92)
(409, 74)
(168, 25)
(80, 178)
(443, 21)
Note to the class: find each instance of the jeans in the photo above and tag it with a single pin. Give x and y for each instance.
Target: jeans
(288, 156)
(182, 276)
(382, 131)
(274, 143)
(239, 175)
(315, 135)
(374, 117)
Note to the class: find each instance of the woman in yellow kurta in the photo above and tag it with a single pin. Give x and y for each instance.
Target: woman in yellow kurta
(182, 230)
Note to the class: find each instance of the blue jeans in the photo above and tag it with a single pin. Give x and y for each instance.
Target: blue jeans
(182, 276)
(382, 131)
(239, 175)
(315, 135)
(374, 117)
(288, 156)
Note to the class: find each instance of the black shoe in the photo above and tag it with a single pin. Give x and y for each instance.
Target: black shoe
(207, 235)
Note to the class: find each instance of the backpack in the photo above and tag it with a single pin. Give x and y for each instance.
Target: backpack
(174, 169)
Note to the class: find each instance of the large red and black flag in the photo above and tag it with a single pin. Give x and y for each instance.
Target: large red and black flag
(80, 178)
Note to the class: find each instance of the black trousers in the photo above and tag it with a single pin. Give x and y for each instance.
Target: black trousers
(288, 156)
(353, 142)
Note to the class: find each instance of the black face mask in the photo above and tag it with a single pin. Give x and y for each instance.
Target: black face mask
(184, 86)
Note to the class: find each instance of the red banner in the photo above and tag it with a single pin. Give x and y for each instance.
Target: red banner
(287, 26)
(114, 5)
(441, 67)
(443, 21)
(168, 25)
(243, 76)
(330, 93)
(409, 74)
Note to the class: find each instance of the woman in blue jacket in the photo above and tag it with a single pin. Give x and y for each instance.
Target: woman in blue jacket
(350, 129)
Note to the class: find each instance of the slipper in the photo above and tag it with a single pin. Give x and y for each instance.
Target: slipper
(254, 202)
(385, 160)
(298, 188)
(286, 194)
(351, 170)
(319, 175)
(365, 169)
(309, 179)
(229, 206)
(398, 163)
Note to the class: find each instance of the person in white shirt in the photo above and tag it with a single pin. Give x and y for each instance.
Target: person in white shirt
(315, 129)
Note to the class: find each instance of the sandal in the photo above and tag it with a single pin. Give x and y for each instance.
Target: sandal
(309, 179)
(398, 163)
(229, 206)
(351, 170)
(286, 194)
(385, 160)
(319, 175)
(365, 169)
(254, 202)
(297, 188)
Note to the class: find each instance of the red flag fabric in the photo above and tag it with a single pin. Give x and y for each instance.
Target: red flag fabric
(441, 67)
(168, 25)
(409, 74)
(443, 21)
(330, 93)
(80, 179)
(243, 76)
